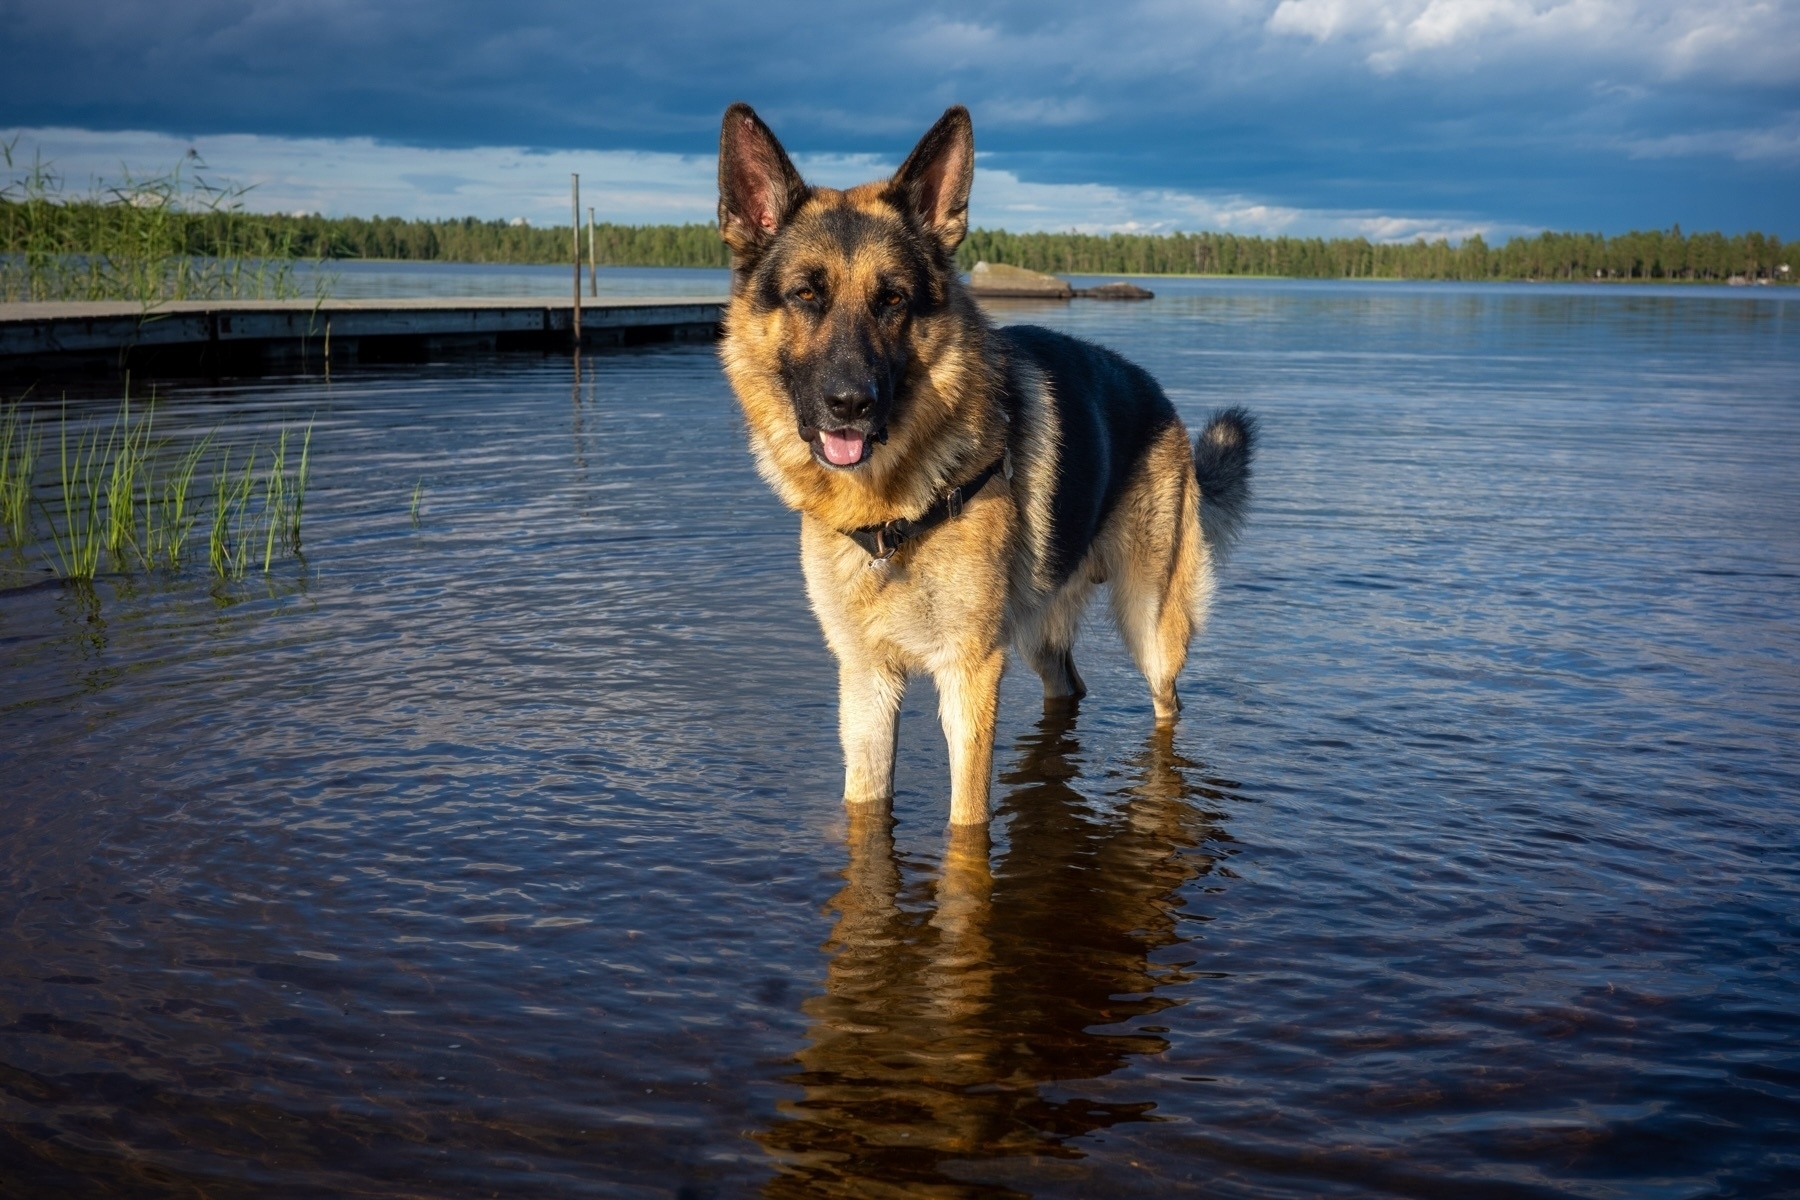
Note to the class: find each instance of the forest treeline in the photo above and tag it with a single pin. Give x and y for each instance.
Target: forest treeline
(1652, 255)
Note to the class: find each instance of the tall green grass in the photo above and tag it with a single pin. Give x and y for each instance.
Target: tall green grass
(170, 518)
(175, 235)
(18, 462)
(122, 497)
(227, 548)
(81, 486)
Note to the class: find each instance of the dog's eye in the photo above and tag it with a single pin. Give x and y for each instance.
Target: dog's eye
(806, 294)
(891, 299)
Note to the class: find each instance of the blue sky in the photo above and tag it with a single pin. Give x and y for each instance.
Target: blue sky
(1382, 117)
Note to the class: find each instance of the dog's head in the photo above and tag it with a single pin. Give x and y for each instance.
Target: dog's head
(833, 291)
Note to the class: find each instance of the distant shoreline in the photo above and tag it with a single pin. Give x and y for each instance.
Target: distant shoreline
(1658, 281)
(83, 226)
(176, 236)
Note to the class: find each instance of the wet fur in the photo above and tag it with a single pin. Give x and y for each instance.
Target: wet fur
(847, 311)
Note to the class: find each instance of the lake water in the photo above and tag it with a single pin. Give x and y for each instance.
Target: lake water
(502, 854)
(357, 279)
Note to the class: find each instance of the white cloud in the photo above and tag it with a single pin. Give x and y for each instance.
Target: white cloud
(1002, 200)
(1735, 40)
(1778, 143)
(1039, 111)
(954, 43)
(361, 177)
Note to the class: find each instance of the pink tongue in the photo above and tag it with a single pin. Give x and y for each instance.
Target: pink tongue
(843, 447)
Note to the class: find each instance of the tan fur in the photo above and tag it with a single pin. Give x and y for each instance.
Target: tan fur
(948, 604)
(951, 379)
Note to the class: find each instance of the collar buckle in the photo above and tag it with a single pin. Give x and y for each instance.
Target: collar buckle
(882, 541)
(883, 550)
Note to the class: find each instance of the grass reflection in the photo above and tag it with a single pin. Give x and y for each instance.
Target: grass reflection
(950, 1003)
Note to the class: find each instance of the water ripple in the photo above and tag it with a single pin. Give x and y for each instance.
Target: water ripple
(501, 852)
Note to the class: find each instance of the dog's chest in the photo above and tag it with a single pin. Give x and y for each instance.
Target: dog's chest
(931, 599)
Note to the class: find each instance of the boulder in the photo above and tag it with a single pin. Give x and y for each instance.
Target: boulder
(1116, 291)
(997, 279)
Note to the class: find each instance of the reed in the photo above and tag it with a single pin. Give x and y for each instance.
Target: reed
(168, 523)
(174, 235)
(122, 496)
(258, 510)
(127, 474)
(76, 543)
(18, 469)
(417, 496)
(218, 542)
(297, 493)
(275, 501)
(228, 547)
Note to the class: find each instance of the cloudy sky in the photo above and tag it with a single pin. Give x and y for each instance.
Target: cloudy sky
(1387, 118)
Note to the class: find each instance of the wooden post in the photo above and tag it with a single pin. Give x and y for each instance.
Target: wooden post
(593, 263)
(575, 244)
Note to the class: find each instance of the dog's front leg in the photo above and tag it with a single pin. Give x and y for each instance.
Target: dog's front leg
(968, 701)
(869, 694)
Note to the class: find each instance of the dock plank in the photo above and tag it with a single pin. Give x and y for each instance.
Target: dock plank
(47, 331)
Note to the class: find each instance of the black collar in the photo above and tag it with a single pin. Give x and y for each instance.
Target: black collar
(882, 540)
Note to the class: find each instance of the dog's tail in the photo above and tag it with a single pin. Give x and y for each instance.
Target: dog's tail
(1222, 463)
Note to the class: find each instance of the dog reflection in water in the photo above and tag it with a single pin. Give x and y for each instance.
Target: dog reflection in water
(940, 1021)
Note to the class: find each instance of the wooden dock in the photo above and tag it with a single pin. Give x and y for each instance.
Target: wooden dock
(247, 337)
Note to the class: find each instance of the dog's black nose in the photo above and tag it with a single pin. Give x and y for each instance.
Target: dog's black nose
(851, 403)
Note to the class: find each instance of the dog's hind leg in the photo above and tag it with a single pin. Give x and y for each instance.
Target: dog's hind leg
(1159, 568)
(1046, 640)
(1055, 665)
(869, 695)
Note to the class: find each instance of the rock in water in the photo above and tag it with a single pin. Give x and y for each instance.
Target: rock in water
(997, 279)
(1116, 291)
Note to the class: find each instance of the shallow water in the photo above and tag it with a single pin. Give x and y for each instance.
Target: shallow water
(356, 279)
(502, 854)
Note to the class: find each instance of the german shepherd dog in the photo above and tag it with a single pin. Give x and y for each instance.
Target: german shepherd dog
(960, 487)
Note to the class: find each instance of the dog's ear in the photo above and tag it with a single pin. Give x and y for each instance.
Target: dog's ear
(758, 186)
(934, 180)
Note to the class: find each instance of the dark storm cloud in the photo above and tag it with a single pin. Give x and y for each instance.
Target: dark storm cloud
(1585, 113)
